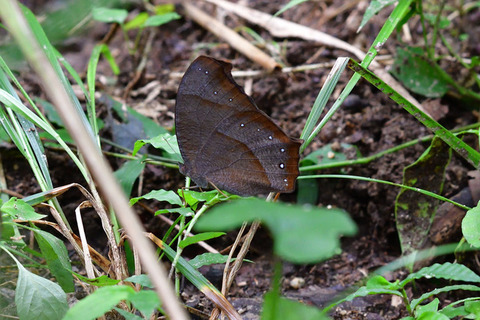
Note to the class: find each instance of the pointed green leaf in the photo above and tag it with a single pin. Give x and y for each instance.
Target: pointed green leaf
(38, 298)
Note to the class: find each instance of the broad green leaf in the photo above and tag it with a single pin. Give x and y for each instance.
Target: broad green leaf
(452, 311)
(424, 297)
(146, 301)
(38, 298)
(200, 237)
(419, 75)
(56, 255)
(141, 279)
(471, 227)
(379, 282)
(128, 174)
(18, 208)
(99, 302)
(432, 315)
(160, 195)
(302, 234)
(447, 270)
(473, 307)
(166, 142)
(432, 306)
(50, 111)
(276, 307)
(109, 15)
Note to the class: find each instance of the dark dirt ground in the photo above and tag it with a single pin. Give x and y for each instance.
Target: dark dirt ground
(370, 121)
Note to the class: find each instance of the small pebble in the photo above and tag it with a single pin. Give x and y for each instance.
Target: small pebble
(297, 283)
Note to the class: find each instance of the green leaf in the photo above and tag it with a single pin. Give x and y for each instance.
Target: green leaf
(164, 8)
(158, 20)
(38, 298)
(109, 15)
(325, 155)
(418, 74)
(50, 111)
(146, 302)
(99, 302)
(432, 306)
(8, 230)
(199, 237)
(452, 311)
(128, 174)
(141, 279)
(471, 226)
(207, 259)
(127, 315)
(192, 198)
(464, 287)
(362, 292)
(160, 195)
(276, 307)
(182, 211)
(136, 22)
(167, 142)
(17, 208)
(447, 270)
(101, 281)
(379, 282)
(56, 255)
(432, 315)
(302, 234)
(307, 191)
(473, 307)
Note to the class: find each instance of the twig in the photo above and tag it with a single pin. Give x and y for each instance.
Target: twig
(231, 37)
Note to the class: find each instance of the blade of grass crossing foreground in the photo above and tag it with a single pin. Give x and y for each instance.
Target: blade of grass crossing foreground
(402, 8)
(16, 105)
(51, 54)
(323, 97)
(463, 149)
(91, 72)
(31, 134)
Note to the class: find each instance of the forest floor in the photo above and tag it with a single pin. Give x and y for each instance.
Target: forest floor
(368, 120)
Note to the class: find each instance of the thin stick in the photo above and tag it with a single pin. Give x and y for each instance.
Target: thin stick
(231, 37)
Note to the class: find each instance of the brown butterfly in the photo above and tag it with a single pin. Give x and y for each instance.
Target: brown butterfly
(225, 139)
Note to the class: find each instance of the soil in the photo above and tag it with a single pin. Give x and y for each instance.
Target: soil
(367, 120)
